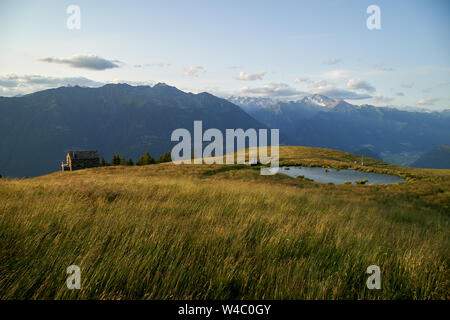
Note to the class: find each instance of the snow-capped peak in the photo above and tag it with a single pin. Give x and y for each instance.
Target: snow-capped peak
(320, 100)
(251, 102)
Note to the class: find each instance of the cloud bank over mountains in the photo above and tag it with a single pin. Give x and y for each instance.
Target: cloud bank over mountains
(338, 93)
(358, 84)
(13, 84)
(279, 90)
(337, 84)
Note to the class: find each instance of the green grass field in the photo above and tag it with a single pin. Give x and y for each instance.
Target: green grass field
(225, 232)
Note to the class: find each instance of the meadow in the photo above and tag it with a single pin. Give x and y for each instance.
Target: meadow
(168, 231)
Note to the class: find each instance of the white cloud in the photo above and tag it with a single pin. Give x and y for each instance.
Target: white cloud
(270, 90)
(382, 99)
(9, 81)
(251, 76)
(327, 84)
(340, 75)
(357, 84)
(338, 93)
(427, 102)
(193, 71)
(91, 62)
(319, 83)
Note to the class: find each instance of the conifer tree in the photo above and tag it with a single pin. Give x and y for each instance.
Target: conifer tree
(166, 157)
(148, 159)
(145, 159)
(115, 160)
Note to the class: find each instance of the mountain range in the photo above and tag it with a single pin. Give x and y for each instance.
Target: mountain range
(318, 121)
(37, 129)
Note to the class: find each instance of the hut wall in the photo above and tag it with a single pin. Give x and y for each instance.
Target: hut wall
(84, 163)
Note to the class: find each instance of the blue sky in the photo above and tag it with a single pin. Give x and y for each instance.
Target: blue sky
(278, 49)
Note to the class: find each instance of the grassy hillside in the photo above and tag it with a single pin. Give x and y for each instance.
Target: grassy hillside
(225, 232)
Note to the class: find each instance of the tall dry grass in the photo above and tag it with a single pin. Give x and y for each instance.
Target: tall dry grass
(220, 232)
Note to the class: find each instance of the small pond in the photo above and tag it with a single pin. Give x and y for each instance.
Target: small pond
(322, 175)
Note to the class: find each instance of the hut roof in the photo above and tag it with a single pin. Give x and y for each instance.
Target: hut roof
(83, 154)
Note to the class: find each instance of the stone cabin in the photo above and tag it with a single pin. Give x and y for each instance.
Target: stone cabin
(76, 160)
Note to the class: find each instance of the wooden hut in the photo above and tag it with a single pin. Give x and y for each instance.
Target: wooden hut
(81, 159)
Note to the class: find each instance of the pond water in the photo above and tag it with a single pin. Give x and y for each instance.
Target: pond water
(319, 174)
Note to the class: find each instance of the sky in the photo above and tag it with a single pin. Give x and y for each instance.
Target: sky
(276, 49)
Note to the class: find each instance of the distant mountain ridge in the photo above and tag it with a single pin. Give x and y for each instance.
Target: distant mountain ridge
(319, 121)
(438, 158)
(37, 129)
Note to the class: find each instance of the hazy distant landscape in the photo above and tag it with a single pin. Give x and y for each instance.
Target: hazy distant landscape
(394, 135)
